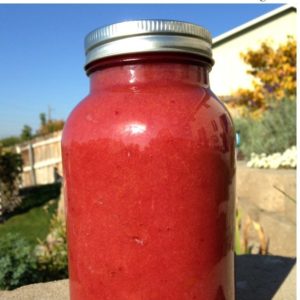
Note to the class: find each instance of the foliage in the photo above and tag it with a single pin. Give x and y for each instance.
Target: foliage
(274, 132)
(26, 134)
(49, 126)
(43, 119)
(274, 77)
(37, 195)
(46, 127)
(238, 245)
(244, 244)
(10, 141)
(287, 159)
(23, 262)
(52, 252)
(52, 126)
(17, 262)
(20, 264)
(278, 127)
(10, 170)
(33, 224)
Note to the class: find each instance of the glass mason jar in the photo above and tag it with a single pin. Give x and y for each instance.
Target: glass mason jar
(149, 168)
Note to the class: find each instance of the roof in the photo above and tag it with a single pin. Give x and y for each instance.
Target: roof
(253, 23)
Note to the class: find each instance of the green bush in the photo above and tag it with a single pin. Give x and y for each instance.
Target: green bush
(10, 141)
(38, 195)
(18, 264)
(52, 252)
(10, 171)
(22, 263)
(274, 132)
(279, 127)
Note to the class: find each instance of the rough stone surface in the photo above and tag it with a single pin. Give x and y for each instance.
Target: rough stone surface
(55, 290)
(281, 233)
(258, 277)
(268, 189)
(287, 290)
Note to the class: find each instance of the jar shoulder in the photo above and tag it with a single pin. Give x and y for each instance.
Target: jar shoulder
(132, 112)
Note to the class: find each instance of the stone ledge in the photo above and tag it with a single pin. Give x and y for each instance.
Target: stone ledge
(267, 189)
(55, 290)
(258, 277)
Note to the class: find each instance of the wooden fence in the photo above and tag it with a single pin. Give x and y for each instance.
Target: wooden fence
(40, 157)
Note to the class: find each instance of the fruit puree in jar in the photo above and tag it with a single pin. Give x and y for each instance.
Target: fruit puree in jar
(149, 168)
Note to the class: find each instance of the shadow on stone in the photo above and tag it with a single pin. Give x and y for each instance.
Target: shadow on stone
(259, 277)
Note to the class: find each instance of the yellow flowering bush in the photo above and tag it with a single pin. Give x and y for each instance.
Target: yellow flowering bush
(274, 77)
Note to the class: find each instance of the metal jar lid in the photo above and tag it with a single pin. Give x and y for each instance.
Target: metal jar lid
(142, 36)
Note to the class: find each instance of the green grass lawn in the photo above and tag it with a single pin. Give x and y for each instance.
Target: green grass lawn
(33, 224)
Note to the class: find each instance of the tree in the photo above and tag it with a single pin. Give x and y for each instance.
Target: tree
(43, 119)
(26, 133)
(274, 78)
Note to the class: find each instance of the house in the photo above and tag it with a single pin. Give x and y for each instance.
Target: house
(230, 72)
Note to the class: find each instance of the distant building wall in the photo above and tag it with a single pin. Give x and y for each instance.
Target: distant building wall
(230, 72)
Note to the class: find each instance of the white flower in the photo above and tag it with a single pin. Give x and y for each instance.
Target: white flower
(287, 159)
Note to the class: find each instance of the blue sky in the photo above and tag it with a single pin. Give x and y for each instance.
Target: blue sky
(42, 56)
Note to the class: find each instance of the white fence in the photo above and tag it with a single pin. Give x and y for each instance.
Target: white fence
(40, 157)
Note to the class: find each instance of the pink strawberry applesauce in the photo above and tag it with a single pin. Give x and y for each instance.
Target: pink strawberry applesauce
(149, 170)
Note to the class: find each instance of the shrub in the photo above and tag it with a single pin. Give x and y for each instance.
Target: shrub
(279, 127)
(10, 141)
(21, 263)
(34, 196)
(52, 253)
(274, 132)
(10, 170)
(18, 264)
(244, 242)
(37, 195)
